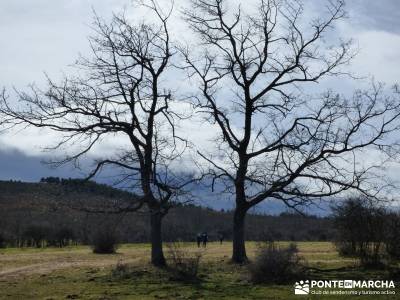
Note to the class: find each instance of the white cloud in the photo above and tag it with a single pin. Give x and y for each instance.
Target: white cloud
(44, 35)
(379, 55)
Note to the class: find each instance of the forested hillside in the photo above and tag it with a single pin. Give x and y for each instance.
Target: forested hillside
(55, 212)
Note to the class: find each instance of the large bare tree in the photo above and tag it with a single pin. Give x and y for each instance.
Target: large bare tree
(118, 93)
(277, 142)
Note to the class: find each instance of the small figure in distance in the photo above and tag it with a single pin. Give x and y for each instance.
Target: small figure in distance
(205, 239)
(199, 239)
(221, 238)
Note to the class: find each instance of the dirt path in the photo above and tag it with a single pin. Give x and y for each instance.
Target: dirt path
(22, 265)
(46, 268)
(60, 263)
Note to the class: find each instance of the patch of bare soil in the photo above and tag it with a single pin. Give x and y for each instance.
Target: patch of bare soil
(62, 263)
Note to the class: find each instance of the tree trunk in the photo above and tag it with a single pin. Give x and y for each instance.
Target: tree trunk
(157, 255)
(239, 248)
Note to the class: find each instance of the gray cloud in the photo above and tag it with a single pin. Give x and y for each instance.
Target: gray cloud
(47, 35)
(16, 165)
(376, 15)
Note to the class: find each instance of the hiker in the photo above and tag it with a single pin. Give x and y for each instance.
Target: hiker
(204, 239)
(221, 238)
(199, 238)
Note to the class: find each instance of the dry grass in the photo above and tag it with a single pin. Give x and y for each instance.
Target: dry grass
(77, 273)
(16, 262)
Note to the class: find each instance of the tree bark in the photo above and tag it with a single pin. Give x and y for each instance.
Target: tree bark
(239, 247)
(157, 254)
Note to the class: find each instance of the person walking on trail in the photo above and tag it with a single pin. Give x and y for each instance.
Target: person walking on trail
(199, 238)
(205, 239)
(221, 238)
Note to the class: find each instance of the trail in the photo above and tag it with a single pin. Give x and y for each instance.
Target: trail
(48, 267)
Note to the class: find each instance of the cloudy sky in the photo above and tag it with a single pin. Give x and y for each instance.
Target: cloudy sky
(47, 36)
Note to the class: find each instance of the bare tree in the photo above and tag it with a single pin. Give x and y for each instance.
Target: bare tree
(277, 142)
(119, 93)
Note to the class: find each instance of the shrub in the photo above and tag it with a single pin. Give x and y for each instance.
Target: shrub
(360, 226)
(292, 247)
(104, 242)
(183, 264)
(345, 248)
(121, 270)
(277, 265)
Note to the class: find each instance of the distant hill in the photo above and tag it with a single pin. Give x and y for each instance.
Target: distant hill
(55, 205)
(19, 166)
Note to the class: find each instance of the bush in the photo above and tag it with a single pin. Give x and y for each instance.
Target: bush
(104, 242)
(183, 264)
(277, 265)
(367, 232)
(121, 271)
(361, 227)
(345, 248)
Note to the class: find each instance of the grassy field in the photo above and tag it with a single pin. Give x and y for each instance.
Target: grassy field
(76, 273)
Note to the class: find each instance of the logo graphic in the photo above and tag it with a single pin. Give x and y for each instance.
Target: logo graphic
(348, 284)
(302, 288)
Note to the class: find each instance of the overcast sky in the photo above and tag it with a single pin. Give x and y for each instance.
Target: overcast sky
(47, 35)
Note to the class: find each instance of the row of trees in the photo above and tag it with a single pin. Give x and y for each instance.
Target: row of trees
(44, 232)
(46, 212)
(273, 141)
(40, 236)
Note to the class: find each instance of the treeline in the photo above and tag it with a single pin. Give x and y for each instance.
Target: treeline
(47, 214)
